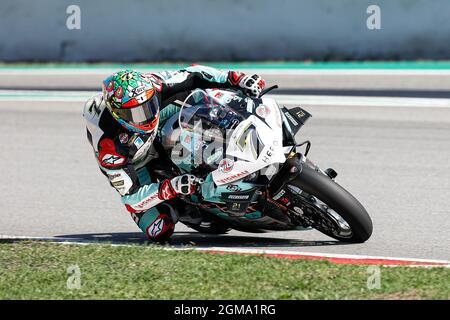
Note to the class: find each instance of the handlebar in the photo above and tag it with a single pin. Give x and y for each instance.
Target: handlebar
(263, 92)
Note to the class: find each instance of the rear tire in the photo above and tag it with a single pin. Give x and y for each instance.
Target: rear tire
(210, 224)
(340, 200)
(211, 227)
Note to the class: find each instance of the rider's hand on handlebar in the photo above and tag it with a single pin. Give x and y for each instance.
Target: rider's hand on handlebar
(252, 85)
(185, 184)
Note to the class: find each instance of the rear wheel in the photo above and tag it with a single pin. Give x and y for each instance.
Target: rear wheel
(330, 208)
(210, 224)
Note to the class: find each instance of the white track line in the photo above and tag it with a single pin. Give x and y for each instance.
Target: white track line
(357, 259)
(262, 71)
(390, 102)
(304, 100)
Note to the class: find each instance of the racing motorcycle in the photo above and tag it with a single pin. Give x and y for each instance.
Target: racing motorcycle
(254, 176)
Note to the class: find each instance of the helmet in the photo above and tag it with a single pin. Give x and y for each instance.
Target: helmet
(130, 97)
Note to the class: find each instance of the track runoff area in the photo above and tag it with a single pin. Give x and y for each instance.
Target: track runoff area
(375, 86)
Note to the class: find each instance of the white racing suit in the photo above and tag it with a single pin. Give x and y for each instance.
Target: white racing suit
(131, 161)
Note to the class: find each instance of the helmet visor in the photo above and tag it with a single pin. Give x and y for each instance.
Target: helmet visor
(141, 114)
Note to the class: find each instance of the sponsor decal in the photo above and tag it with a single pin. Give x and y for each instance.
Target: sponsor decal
(294, 189)
(291, 118)
(226, 165)
(123, 138)
(156, 82)
(300, 114)
(138, 142)
(239, 196)
(118, 184)
(113, 176)
(263, 111)
(155, 228)
(279, 195)
(143, 203)
(234, 177)
(231, 98)
(268, 155)
(112, 160)
(233, 187)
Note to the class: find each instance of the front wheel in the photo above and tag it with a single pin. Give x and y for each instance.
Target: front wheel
(330, 208)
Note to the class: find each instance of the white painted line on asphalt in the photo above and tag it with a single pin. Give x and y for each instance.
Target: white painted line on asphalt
(390, 102)
(333, 257)
(262, 71)
(304, 100)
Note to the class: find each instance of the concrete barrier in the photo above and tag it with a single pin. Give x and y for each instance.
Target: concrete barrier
(213, 30)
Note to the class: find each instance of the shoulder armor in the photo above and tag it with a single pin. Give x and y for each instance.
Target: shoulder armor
(108, 156)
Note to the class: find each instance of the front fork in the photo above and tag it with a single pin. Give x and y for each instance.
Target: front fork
(290, 197)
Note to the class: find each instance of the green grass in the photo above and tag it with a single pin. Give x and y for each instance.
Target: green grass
(38, 270)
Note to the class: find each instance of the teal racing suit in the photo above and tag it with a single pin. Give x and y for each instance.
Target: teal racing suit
(133, 163)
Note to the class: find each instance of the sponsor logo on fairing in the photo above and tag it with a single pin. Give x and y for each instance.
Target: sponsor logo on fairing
(234, 177)
(239, 197)
(294, 189)
(291, 118)
(226, 165)
(279, 195)
(263, 111)
(233, 187)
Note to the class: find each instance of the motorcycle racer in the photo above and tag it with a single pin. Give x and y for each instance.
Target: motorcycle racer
(122, 126)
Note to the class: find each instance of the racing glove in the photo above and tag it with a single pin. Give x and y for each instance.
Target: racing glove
(185, 184)
(250, 85)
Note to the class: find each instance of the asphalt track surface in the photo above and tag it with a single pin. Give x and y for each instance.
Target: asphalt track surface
(395, 160)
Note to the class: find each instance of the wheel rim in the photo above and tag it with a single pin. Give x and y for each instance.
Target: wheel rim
(325, 219)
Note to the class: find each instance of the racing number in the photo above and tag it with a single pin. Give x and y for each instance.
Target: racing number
(250, 137)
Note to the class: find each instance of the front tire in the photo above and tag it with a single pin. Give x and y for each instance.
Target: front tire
(318, 185)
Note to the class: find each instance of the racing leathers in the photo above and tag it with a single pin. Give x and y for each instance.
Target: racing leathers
(136, 165)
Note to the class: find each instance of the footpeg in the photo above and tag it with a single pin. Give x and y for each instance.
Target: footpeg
(331, 173)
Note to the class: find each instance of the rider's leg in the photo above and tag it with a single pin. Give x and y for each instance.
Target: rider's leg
(158, 223)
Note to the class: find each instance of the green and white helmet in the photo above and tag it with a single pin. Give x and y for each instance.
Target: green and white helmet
(131, 98)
